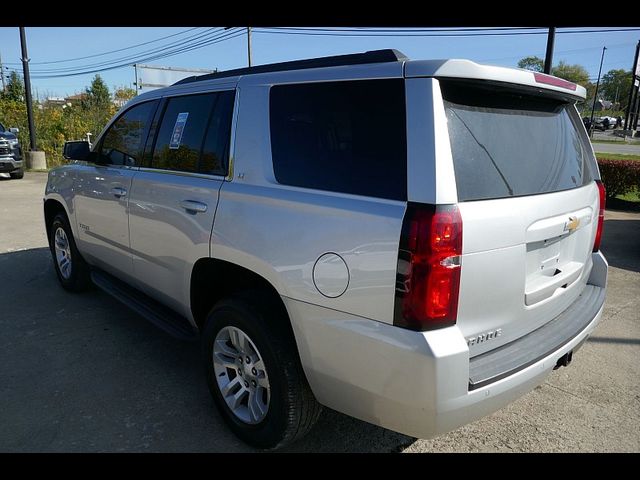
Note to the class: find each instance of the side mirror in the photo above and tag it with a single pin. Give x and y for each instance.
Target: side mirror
(93, 157)
(77, 150)
(14, 130)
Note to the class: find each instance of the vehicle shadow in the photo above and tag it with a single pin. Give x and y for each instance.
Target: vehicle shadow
(80, 373)
(621, 243)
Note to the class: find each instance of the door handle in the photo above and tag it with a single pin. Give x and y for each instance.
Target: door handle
(193, 206)
(118, 192)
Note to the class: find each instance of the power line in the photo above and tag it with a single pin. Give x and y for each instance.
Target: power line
(184, 42)
(194, 38)
(407, 30)
(563, 52)
(420, 33)
(111, 51)
(209, 37)
(608, 64)
(388, 33)
(167, 50)
(153, 51)
(222, 37)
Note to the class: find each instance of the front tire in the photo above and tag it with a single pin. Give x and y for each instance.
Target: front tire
(17, 174)
(254, 374)
(73, 272)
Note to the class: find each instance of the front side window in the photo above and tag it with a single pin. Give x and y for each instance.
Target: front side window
(194, 133)
(347, 137)
(124, 141)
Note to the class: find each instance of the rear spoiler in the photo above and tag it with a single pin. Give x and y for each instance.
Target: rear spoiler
(466, 69)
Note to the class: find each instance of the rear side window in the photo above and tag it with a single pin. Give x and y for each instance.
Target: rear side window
(345, 137)
(216, 142)
(194, 133)
(509, 143)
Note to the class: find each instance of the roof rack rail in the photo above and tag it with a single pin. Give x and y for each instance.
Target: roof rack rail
(373, 56)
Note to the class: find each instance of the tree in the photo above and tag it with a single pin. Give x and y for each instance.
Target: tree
(54, 124)
(97, 94)
(96, 105)
(15, 88)
(531, 63)
(615, 85)
(573, 73)
(122, 95)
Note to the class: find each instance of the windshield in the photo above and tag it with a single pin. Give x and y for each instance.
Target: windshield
(509, 143)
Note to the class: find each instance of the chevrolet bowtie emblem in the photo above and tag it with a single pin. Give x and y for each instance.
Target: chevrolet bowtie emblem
(572, 224)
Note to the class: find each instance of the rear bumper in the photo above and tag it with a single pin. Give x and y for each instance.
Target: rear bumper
(508, 359)
(416, 383)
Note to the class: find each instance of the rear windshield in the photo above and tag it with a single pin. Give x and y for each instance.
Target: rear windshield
(510, 143)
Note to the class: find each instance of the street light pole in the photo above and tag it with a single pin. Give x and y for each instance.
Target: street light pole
(27, 89)
(595, 95)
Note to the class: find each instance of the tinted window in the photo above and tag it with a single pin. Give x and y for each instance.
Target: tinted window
(124, 141)
(216, 143)
(509, 143)
(180, 136)
(341, 136)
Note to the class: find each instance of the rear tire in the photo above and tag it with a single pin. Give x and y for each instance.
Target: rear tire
(291, 409)
(17, 175)
(73, 272)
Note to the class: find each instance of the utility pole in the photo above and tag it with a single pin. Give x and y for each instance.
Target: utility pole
(4, 87)
(27, 89)
(548, 59)
(249, 44)
(595, 95)
(632, 90)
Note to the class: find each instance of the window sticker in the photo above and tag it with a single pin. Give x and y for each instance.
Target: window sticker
(178, 129)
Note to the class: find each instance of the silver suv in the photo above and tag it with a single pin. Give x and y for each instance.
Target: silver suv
(413, 243)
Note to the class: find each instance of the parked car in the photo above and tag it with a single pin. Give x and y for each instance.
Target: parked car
(613, 121)
(10, 153)
(600, 124)
(616, 122)
(332, 240)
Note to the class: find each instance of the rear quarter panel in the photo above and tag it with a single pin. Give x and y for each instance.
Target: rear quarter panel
(280, 231)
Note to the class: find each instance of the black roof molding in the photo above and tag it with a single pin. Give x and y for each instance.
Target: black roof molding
(373, 56)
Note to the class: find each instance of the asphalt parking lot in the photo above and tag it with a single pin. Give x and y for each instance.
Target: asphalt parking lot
(81, 373)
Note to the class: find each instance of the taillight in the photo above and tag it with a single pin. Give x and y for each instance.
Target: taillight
(429, 263)
(602, 192)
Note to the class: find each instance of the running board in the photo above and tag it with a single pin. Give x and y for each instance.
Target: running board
(161, 316)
